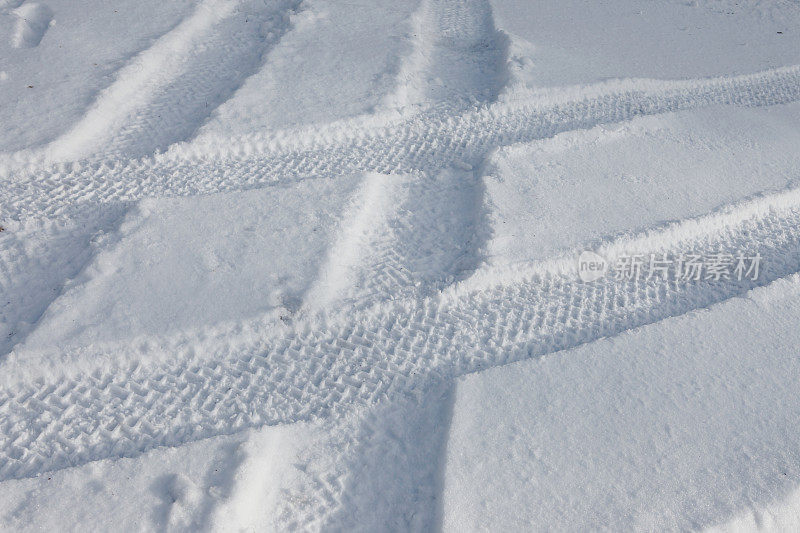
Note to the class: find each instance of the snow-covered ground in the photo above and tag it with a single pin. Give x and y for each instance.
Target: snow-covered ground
(314, 265)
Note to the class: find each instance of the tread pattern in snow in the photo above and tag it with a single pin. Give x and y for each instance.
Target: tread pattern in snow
(319, 368)
(426, 142)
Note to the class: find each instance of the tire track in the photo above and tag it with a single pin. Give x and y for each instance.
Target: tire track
(346, 489)
(36, 261)
(426, 142)
(388, 343)
(458, 58)
(408, 234)
(319, 367)
(166, 92)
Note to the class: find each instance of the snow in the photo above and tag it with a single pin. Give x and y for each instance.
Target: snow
(580, 188)
(171, 266)
(313, 265)
(216, 481)
(677, 425)
(565, 42)
(337, 61)
(49, 86)
(32, 22)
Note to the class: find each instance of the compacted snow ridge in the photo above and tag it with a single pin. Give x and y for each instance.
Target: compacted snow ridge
(307, 265)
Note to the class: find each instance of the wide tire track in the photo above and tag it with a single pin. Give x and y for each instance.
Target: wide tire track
(323, 366)
(426, 142)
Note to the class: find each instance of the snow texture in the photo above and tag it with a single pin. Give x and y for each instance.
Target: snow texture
(307, 265)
